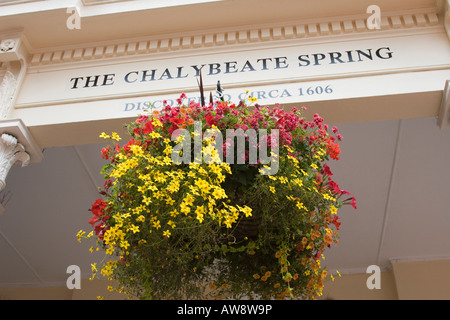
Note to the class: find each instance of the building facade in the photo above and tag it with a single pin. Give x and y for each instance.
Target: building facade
(379, 70)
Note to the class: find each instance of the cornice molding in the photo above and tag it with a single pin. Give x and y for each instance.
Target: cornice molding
(306, 30)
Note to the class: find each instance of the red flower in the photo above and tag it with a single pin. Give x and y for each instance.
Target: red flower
(333, 149)
(172, 129)
(97, 207)
(105, 153)
(326, 170)
(210, 120)
(148, 128)
(94, 220)
(176, 121)
(334, 187)
(354, 203)
(336, 222)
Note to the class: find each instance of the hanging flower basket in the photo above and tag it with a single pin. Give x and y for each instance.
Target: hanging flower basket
(219, 201)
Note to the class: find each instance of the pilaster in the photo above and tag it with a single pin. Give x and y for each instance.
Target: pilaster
(13, 62)
(17, 146)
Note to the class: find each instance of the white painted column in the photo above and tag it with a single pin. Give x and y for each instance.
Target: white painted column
(17, 146)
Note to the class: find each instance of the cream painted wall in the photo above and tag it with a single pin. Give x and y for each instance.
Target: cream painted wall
(412, 280)
(353, 287)
(348, 287)
(423, 280)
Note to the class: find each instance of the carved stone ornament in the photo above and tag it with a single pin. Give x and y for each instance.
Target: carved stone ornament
(7, 45)
(11, 152)
(7, 90)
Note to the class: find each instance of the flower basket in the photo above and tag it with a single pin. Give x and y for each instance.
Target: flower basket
(189, 210)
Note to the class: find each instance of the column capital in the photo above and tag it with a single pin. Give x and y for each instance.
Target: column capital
(11, 153)
(17, 146)
(13, 47)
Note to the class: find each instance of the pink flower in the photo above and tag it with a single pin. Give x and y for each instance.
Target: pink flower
(142, 119)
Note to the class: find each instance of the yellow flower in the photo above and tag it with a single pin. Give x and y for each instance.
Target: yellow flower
(166, 233)
(219, 193)
(247, 211)
(110, 250)
(170, 201)
(124, 244)
(172, 224)
(157, 123)
(202, 185)
(156, 224)
(272, 189)
(104, 136)
(146, 200)
(184, 208)
(134, 228)
(189, 200)
(200, 212)
(80, 235)
(333, 209)
(115, 136)
(155, 135)
(300, 205)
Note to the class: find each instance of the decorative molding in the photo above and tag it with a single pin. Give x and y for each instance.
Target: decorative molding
(17, 146)
(7, 45)
(447, 17)
(261, 34)
(17, 128)
(7, 90)
(11, 153)
(95, 2)
(13, 66)
(14, 2)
